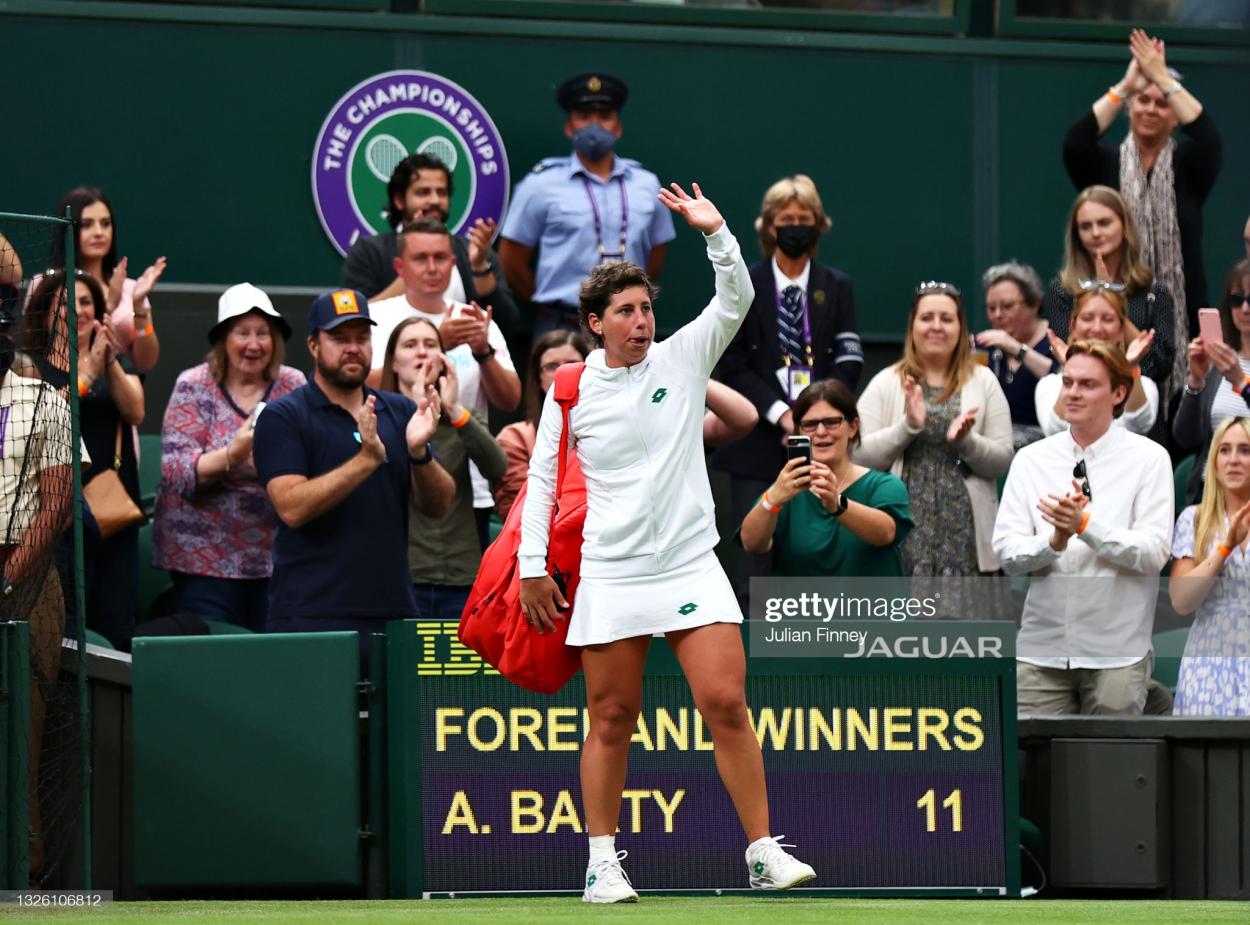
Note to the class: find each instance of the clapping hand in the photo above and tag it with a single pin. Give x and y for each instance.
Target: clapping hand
(1133, 81)
(1064, 512)
(1150, 55)
(962, 425)
(701, 214)
(1238, 527)
(1058, 347)
(449, 389)
(1139, 347)
(147, 282)
(1100, 268)
(424, 422)
(117, 279)
(466, 325)
(367, 428)
(913, 397)
(480, 235)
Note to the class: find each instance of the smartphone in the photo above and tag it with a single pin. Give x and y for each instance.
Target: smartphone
(1209, 325)
(251, 418)
(799, 446)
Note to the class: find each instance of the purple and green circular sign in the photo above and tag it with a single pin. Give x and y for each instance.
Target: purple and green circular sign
(382, 120)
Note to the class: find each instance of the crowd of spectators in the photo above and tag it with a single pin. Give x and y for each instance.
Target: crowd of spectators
(1043, 445)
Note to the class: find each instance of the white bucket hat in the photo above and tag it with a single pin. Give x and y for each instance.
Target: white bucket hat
(239, 300)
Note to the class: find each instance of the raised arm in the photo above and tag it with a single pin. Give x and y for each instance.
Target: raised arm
(730, 416)
(705, 338)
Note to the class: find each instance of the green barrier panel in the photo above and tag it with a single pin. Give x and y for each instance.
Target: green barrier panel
(247, 760)
(15, 740)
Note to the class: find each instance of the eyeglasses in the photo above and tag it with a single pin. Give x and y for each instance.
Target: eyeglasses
(932, 286)
(1078, 472)
(1090, 285)
(1238, 299)
(1002, 306)
(809, 426)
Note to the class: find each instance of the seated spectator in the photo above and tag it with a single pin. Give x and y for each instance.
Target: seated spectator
(1102, 243)
(472, 339)
(940, 422)
(830, 517)
(801, 328)
(95, 253)
(1099, 315)
(551, 351)
(1211, 575)
(420, 188)
(1019, 350)
(1204, 403)
(1087, 512)
(214, 526)
(443, 551)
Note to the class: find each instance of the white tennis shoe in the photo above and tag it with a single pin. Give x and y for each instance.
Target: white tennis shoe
(606, 882)
(773, 868)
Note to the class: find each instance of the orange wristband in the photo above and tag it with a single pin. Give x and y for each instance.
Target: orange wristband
(462, 420)
(83, 388)
(768, 505)
(1084, 523)
(1136, 372)
(1113, 96)
(146, 332)
(1223, 550)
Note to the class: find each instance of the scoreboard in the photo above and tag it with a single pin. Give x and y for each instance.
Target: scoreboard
(890, 776)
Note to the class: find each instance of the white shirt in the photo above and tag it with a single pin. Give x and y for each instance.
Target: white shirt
(388, 313)
(35, 435)
(1093, 605)
(781, 281)
(1138, 422)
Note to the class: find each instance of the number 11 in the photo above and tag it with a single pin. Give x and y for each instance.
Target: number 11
(954, 802)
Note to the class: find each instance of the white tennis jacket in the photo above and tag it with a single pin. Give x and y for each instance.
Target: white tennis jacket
(638, 434)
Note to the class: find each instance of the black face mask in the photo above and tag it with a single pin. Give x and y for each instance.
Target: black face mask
(796, 240)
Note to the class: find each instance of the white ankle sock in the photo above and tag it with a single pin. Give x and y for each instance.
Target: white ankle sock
(602, 847)
(759, 843)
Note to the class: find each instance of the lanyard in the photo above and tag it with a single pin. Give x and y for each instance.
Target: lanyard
(807, 335)
(594, 207)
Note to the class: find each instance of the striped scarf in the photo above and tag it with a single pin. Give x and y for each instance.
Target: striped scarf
(1152, 203)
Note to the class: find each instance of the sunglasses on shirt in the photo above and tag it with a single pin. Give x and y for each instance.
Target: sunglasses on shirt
(1078, 472)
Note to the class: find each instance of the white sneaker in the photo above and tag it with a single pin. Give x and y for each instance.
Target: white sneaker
(772, 868)
(606, 882)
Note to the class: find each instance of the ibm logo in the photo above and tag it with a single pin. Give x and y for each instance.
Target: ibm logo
(443, 655)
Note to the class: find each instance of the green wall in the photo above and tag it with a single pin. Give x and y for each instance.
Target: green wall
(936, 156)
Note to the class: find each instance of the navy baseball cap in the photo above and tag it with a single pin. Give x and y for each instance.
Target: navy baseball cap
(333, 308)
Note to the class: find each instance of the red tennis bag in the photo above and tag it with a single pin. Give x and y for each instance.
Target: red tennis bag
(492, 624)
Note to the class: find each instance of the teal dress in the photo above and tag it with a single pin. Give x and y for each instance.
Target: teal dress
(809, 541)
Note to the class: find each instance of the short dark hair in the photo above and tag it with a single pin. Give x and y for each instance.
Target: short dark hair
(422, 226)
(533, 370)
(605, 281)
(401, 179)
(831, 391)
(76, 200)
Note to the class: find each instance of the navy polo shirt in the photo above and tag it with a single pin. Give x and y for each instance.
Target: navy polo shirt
(352, 561)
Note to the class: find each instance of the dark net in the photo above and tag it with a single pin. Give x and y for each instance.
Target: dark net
(36, 530)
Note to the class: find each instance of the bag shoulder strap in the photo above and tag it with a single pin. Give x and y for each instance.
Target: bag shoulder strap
(566, 392)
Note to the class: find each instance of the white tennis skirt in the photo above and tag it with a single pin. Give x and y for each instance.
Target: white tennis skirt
(696, 594)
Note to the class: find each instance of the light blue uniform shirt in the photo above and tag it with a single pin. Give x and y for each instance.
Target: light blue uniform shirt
(550, 210)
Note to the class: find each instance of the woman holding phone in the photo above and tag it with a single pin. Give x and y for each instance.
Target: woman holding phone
(1214, 361)
(214, 525)
(824, 514)
(648, 559)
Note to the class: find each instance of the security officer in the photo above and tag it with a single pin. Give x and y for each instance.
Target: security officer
(583, 209)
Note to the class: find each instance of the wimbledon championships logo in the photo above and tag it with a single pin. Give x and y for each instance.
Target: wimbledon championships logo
(382, 120)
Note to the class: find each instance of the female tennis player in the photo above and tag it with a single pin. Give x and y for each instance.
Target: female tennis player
(648, 564)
